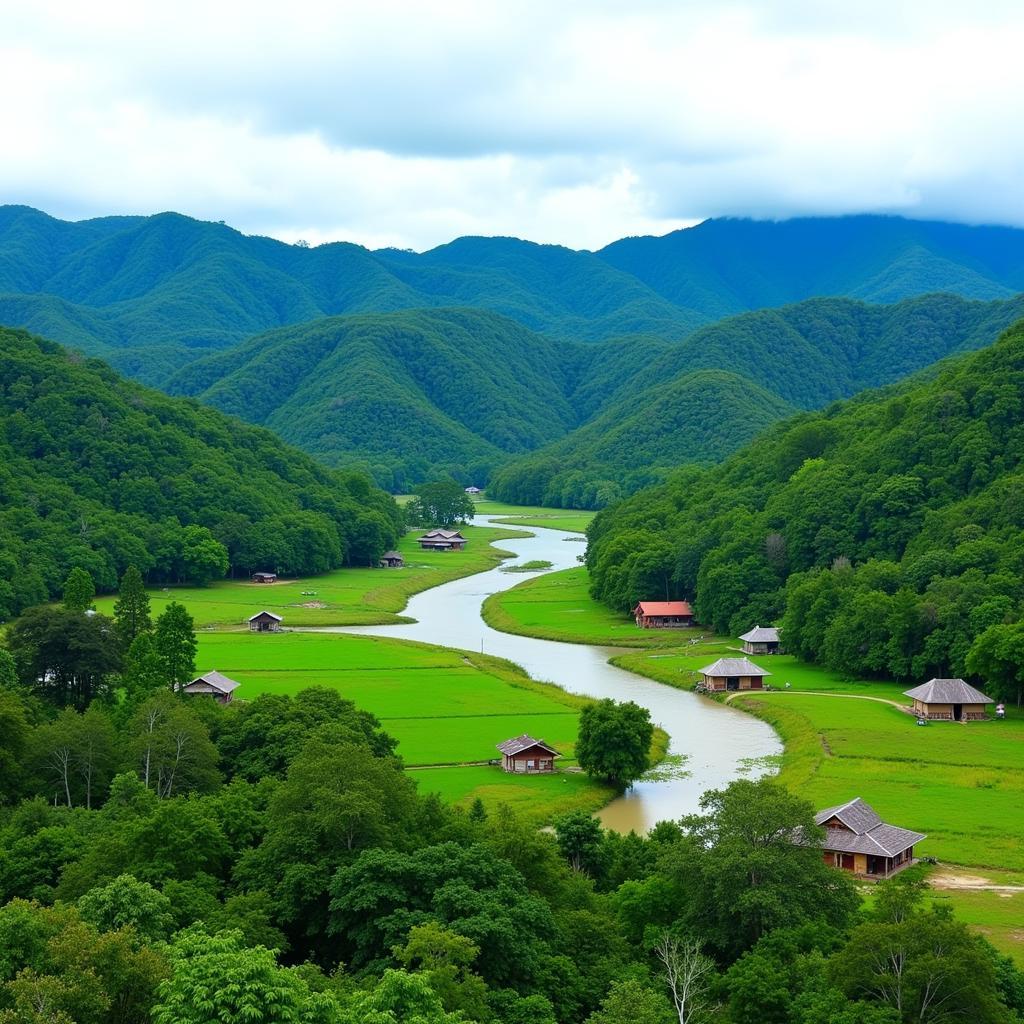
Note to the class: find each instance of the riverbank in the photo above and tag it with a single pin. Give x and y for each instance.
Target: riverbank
(342, 597)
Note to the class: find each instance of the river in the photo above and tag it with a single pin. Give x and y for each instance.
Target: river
(719, 742)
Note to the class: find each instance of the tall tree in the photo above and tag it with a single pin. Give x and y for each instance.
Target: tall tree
(131, 610)
(94, 752)
(175, 642)
(579, 841)
(79, 590)
(443, 503)
(14, 734)
(614, 741)
(689, 974)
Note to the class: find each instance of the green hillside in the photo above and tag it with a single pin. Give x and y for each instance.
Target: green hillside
(149, 294)
(100, 473)
(884, 533)
(680, 407)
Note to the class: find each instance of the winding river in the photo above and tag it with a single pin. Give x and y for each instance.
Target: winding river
(719, 742)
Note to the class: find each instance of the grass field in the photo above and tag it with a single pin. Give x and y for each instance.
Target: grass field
(350, 596)
(557, 606)
(571, 520)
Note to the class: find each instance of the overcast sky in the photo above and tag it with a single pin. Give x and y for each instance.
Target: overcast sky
(409, 124)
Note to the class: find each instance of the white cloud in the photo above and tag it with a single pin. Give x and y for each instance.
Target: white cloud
(410, 123)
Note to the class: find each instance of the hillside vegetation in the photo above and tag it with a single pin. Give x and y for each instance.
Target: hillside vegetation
(100, 473)
(884, 533)
(705, 397)
(151, 293)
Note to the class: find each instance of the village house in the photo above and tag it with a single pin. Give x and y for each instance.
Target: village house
(732, 674)
(948, 700)
(524, 754)
(473, 490)
(213, 684)
(265, 622)
(663, 614)
(391, 560)
(442, 540)
(264, 577)
(857, 840)
(761, 640)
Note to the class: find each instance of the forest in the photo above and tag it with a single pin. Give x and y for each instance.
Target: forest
(471, 394)
(100, 473)
(168, 859)
(883, 534)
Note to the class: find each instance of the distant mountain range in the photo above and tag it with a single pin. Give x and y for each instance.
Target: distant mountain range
(459, 358)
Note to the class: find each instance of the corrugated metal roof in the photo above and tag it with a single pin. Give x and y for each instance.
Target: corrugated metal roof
(265, 612)
(947, 691)
(761, 635)
(733, 667)
(520, 743)
(217, 680)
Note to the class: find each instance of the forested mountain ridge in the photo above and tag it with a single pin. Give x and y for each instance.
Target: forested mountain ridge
(885, 533)
(150, 293)
(677, 408)
(101, 473)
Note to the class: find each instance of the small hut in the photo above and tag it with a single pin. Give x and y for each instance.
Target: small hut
(663, 614)
(858, 841)
(948, 700)
(733, 674)
(442, 540)
(524, 754)
(264, 577)
(473, 490)
(213, 684)
(391, 560)
(265, 622)
(761, 640)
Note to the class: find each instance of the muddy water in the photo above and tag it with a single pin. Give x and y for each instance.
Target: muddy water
(718, 741)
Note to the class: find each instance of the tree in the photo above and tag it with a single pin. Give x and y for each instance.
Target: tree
(76, 753)
(445, 959)
(175, 641)
(14, 735)
(443, 503)
(128, 903)
(630, 1002)
(170, 748)
(203, 558)
(740, 873)
(145, 672)
(131, 609)
(8, 670)
(614, 741)
(218, 978)
(998, 657)
(79, 590)
(579, 838)
(398, 998)
(688, 972)
(64, 655)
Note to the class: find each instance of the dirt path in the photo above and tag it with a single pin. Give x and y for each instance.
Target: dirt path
(950, 878)
(818, 693)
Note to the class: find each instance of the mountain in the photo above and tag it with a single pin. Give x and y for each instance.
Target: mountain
(149, 294)
(885, 532)
(706, 396)
(99, 472)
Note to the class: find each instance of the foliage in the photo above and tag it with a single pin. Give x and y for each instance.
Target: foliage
(614, 741)
(79, 590)
(443, 503)
(174, 644)
(883, 533)
(98, 474)
(131, 610)
(128, 903)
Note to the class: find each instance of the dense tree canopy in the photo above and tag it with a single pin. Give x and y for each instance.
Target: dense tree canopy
(97, 474)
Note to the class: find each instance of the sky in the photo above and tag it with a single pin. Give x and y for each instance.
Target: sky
(409, 124)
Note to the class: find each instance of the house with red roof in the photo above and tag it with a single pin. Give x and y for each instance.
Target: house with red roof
(663, 614)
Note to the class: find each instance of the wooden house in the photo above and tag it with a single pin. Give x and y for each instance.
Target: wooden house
(524, 754)
(391, 560)
(663, 614)
(732, 674)
(213, 684)
(948, 700)
(264, 577)
(857, 840)
(265, 622)
(442, 540)
(761, 640)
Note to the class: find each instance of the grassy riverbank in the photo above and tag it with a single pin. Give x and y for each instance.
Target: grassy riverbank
(345, 597)
(558, 606)
(570, 520)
